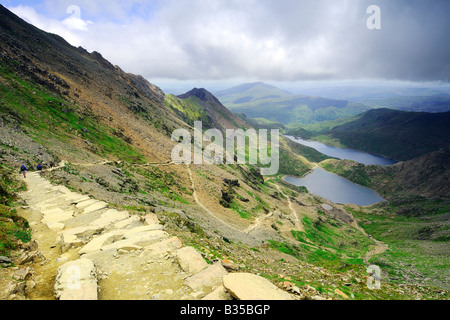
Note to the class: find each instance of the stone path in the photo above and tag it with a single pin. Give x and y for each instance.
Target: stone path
(94, 252)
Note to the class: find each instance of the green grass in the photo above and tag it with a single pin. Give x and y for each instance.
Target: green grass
(329, 243)
(412, 257)
(162, 182)
(13, 228)
(187, 109)
(356, 172)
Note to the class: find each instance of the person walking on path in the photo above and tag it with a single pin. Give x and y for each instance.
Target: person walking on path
(23, 170)
(39, 167)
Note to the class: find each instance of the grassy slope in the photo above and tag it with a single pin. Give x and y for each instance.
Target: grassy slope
(13, 229)
(418, 246)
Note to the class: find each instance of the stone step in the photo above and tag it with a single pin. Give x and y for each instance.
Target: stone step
(77, 280)
(76, 237)
(95, 207)
(109, 217)
(84, 204)
(137, 240)
(247, 286)
(102, 240)
(57, 216)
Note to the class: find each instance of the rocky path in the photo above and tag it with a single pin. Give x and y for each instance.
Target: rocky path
(90, 251)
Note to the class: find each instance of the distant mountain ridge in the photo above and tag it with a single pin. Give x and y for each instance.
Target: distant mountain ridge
(248, 92)
(260, 100)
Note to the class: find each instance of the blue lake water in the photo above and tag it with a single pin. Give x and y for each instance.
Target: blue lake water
(340, 153)
(336, 188)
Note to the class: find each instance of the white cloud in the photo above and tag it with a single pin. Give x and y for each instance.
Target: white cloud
(258, 39)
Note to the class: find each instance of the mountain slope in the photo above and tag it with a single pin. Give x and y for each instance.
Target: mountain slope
(77, 86)
(200, 104)
(395, 134)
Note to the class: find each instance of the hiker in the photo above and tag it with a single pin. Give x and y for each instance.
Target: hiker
(39, 167)
(23, 170)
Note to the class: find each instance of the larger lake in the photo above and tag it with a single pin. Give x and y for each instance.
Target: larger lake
(334, 187)
(340, 153)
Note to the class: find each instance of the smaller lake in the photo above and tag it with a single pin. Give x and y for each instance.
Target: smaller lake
(336, 188)
(358, 156)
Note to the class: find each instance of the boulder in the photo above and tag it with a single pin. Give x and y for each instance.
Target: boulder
(86, 203)
(164, 246)
(151, 218)
(190, 260)
(129, 223)
(218, 294)
(208, 278)
(55, 226)
(247, 286)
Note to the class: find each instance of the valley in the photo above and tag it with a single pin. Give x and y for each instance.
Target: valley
(109, 132)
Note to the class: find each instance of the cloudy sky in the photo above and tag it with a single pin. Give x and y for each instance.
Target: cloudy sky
(256, 40)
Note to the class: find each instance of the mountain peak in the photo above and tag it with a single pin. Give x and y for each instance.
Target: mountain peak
(201, 94)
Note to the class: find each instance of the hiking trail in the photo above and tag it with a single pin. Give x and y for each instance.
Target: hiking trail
(88, 251)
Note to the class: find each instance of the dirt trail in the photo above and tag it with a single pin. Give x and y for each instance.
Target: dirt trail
(298, 224)
(380, 247)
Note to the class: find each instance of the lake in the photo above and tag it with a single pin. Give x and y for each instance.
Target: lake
(335, 188)
(340, 153)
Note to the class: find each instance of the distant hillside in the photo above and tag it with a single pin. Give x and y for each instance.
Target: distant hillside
(426, 176)
(264, 101)
(395, 134)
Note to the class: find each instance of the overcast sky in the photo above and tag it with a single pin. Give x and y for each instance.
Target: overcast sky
(255, 40)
